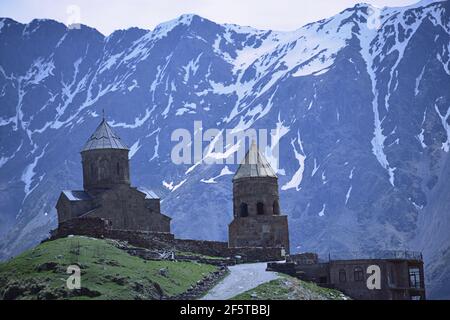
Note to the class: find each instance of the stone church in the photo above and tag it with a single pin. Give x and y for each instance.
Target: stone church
(257, 220)
(107, 191)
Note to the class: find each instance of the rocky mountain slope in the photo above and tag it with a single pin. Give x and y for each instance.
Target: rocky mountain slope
(360, 103)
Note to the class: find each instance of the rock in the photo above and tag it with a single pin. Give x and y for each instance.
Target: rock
(13, 291)
(46, 295)
(83, 291)
(164, 272)
(158, 289)
(48, 266)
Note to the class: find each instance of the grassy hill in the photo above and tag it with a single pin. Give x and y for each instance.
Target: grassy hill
(107, 272)
(290, 288)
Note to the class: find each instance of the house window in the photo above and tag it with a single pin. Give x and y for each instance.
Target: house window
(260, 208)
(243, 210)
(414, 278)
(342, 276)
(276, 208)
(358, 274)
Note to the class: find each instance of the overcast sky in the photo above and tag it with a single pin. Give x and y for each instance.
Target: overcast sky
(109, 15)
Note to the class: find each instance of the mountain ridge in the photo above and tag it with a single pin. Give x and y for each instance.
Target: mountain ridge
(360, 114)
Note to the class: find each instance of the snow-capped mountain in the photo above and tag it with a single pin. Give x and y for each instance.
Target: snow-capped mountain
(360, 103)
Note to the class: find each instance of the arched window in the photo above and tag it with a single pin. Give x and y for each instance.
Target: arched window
(276, 208)
(358, 274)
(243, 212)
(103, 169)
(260, 208)
(342, 275)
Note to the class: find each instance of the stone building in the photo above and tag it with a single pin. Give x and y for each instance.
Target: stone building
(401, 274)
(107, 191)
(257, 220)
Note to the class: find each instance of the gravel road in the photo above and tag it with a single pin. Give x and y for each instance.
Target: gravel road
(242, 277)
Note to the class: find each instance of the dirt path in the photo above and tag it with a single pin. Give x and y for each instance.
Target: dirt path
(242, 277)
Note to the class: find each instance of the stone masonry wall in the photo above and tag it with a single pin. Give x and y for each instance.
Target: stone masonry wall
(101, 228)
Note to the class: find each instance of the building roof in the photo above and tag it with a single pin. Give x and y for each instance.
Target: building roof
(149, 194)
(104, 138)
(75, 195)
(254, 165)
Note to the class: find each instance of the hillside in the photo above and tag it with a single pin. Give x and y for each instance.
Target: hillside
(289, 288)
(106, 273)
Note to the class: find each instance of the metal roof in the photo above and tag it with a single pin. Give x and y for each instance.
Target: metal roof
(254, 165)
(75, 195)
(149, 194)
(104, 138)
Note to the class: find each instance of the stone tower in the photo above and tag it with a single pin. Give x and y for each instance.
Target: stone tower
(105, 160)
(257, 221)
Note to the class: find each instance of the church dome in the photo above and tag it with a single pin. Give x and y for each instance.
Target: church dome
(254, 165)
(104, 138)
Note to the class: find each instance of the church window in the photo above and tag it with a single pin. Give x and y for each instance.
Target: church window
(243, 210)
(260, 208)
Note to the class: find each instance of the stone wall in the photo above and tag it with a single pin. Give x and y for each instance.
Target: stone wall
(127, 209)
(221, 249)
(102, 228)
(93, 227)
(304, 258)
(259, 231)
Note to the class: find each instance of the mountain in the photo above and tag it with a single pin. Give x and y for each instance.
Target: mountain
(359, 103)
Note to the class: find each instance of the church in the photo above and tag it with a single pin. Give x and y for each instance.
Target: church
(107, 191)
(258, 227)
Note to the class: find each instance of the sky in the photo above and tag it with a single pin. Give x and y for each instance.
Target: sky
(110, 15)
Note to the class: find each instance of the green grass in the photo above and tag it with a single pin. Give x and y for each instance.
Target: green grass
(105, 269)
(290, 288)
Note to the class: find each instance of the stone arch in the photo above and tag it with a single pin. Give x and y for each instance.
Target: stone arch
(260, 208)
(243, 210)
(276, 207)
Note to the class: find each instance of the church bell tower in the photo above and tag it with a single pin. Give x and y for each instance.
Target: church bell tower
(105, 160)
(257, 220)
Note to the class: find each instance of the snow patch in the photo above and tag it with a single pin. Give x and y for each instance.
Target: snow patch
(300, 156)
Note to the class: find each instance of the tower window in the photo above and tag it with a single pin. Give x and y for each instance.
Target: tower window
(260, 208)
(243, 210)
(118, 169)
(358, 274)
(276, 208)
(342, 276)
